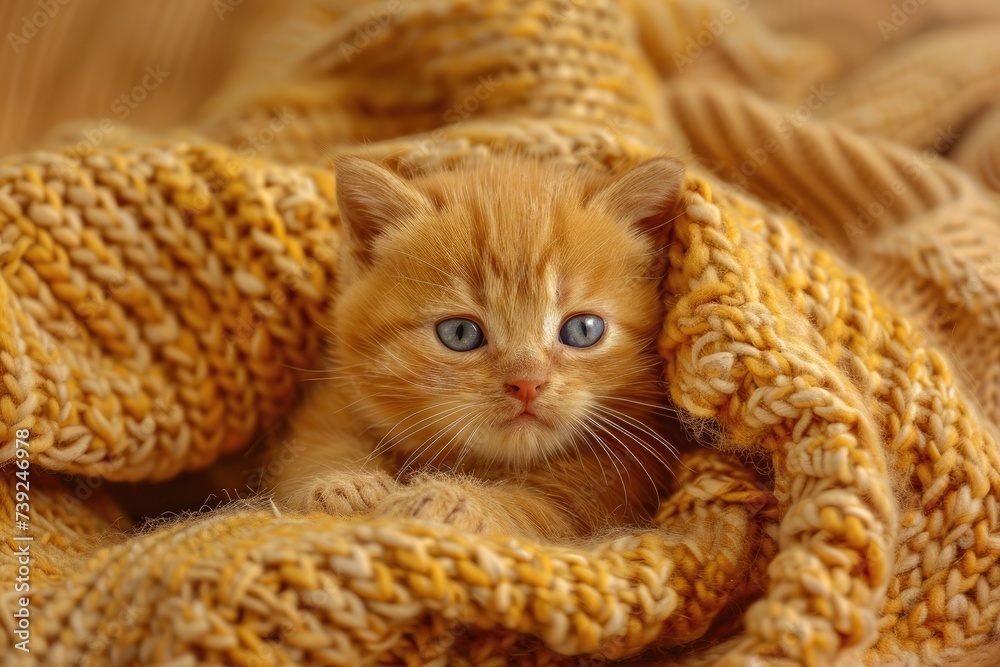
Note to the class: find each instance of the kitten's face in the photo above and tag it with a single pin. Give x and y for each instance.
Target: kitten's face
(498, 313)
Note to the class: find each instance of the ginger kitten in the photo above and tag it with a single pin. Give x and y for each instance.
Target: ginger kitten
(493, 361)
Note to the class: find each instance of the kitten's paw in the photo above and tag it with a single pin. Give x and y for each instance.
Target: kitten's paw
(344, 493)
(441, 501)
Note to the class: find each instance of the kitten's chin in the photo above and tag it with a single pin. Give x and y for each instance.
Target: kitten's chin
(522, 441)
(525, 420)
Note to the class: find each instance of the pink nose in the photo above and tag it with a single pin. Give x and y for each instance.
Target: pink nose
(525, 390)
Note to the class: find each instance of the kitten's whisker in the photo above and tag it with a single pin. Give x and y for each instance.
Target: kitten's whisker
(635, 371)
(577, 432)
(418, 450)
(329, 378)
(406, 399)
(664, 224)
(601, 421)
(344, 372)
(443, 431)
(395, 416)
(403, 365)
(639, 441)
(446, 449)
(387, 372)
(465, 444)
(591, 420)
(607, 449)
(375, 421)
(630, 420)
(666, 409)
(380, 363)
(317, 370)
(326, 367)
(427, 444)
(410, 382)
(387, 443)
(353, 403)
(658, 383)
(645, 429)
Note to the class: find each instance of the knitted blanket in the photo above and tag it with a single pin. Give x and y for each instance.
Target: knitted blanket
(834, 311)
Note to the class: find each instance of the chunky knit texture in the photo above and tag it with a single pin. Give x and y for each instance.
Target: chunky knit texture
(156, 299)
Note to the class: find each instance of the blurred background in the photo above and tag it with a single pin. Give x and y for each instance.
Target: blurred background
(66, 60)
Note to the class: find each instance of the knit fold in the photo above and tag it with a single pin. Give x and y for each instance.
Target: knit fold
(832, 307)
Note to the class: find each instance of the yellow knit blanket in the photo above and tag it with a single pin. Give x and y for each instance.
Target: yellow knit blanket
(156, 298)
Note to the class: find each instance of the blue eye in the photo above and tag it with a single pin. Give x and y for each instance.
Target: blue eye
(582, 331)
(460, 334)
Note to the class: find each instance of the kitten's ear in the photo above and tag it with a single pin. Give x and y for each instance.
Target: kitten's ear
(372, 200)
(644, 195)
